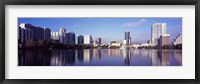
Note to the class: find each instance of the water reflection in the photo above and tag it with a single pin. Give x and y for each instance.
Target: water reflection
(126, 56)
(100, 57)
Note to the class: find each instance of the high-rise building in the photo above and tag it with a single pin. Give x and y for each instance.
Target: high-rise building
(80, 39)
(47, 34)
(28, 31)
(38, 33)
(25, 33)
(157, 29)
(62, 35)
(71, 38)
(178, 39)
(127, 38)
(149, 42)
(55, 36)
(98, 40)
(87, 39)
(164, 40)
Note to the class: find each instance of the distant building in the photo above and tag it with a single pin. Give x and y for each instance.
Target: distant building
(127, 38)
(148, 42)
(62, 35)
(164, 40)
(97, 42)
(38, 33)
(30, 32)
(55, 36)
(157, 29)
(47, 34)
(178, 39)
(124, 41)
(87, 39)
(115, 43)
(80, 39)
(25, 33)
(71, 38)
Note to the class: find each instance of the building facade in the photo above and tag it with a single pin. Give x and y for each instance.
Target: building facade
(55, 36)
(157, 29)
(30, 32)
(127, 38)
(87, 39)
(71, 38)
(47, 34)
(62, 33)
(25, 34)
(164, 40)
(80, 39)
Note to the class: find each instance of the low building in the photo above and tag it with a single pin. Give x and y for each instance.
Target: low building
(115, 44)
(164, 40)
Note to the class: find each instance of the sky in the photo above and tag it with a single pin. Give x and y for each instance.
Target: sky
(109, 29)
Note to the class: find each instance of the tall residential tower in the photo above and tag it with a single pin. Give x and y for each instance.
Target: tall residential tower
(157, 29)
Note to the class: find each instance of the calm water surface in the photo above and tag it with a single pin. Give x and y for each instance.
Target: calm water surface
(100, 57)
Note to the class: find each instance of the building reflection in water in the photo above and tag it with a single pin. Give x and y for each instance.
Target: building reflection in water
(114, 52)
(126, 56)
(165, 57)
(97, 53)
(85, 56)
(34, 57)
(80, 55)
(62, 57)
(160, 57)
(155, 58)
(178, 56)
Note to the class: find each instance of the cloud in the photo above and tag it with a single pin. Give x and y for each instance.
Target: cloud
(134, 24)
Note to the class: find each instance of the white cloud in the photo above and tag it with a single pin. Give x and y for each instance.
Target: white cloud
(134, 24)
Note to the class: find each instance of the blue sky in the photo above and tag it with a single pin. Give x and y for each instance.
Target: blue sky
(108, 28)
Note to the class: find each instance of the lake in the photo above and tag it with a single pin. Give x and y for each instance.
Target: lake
(100, 57)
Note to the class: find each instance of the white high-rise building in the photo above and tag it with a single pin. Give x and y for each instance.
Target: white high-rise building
(25, 33)
(62, 35)
(87, 39)
(55, 35)
(157, 29)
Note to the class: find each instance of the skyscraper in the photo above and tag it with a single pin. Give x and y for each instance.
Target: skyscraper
(98, 40)
(87, 39)
(62, 35)
(71, 38)
(28, 31)
(25, 33)
(47, 34)
(157, 29)
(55, 35)
(80, 39)
(127, 39)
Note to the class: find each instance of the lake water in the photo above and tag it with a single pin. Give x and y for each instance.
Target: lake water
(100, 57)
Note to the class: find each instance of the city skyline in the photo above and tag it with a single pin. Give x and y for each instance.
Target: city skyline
(109, 29)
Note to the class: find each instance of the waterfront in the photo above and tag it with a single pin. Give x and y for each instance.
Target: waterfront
(100, 57)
